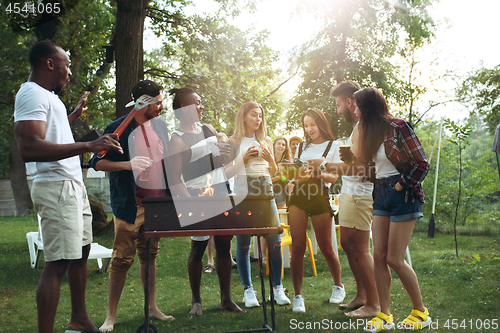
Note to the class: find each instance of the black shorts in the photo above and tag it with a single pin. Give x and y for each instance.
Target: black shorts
(311, 197)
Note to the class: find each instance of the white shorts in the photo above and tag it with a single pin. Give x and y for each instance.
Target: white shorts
(66, 218)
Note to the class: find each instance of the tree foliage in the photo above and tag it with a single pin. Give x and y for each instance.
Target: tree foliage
(82, 29)
(481, 92)
(479, 208)
(227, 67)
(358, 42)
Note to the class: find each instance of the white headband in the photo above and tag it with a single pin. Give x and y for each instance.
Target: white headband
(143, 101)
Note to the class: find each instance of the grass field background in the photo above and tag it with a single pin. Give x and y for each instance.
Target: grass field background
(461, 293)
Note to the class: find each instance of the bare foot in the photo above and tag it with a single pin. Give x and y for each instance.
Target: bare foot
(355, 303)
(109, 325)
(231, 306)
(156, 313)
(196, 310)
(364, 311)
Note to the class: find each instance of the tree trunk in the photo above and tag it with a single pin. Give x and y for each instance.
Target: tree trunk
(18, 180)
(128, 47)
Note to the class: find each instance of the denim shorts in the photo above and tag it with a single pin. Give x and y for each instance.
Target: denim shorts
(389, 202)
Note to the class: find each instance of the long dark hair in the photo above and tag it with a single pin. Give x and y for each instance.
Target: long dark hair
(286, 153)
(375, 120)
(321, 122)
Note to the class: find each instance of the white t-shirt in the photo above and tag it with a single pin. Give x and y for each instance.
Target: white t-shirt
(255, 167)
(354, 185)
(36, 103)
(383, 167)
(317, 150)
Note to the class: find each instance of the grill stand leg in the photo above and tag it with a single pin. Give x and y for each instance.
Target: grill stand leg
(146, 287)
(147, 327)
(263, 289)
(266, 327)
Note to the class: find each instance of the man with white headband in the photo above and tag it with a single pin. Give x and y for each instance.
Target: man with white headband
(144, 141)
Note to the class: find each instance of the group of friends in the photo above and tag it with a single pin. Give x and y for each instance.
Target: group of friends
(381, 193)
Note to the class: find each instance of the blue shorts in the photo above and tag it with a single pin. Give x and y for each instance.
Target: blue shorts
(389, 202)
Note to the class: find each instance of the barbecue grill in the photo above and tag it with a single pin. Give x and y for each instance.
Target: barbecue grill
(208, 215)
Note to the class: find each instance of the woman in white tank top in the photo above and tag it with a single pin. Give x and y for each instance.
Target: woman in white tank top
(310, 198)
(255, 149)
(401, 166)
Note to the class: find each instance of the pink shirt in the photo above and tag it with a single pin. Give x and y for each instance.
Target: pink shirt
(148, 188)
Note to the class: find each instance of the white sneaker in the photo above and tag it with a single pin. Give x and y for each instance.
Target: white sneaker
(338, 294)
(249, 298)
(298, 304)
(279, 296)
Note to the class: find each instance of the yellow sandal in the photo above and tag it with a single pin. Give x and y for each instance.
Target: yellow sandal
(381, 322)
(417, 320)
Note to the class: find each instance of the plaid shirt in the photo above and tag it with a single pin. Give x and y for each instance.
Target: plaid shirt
(405, 152)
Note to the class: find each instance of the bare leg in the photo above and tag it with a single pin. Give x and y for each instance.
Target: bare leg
(154, 312)
(233, 263)
(115, 288)
(195, 262)
(263, 249)
(47, 294)
(210, 251)
(323, 226)
(349, 248)
(298, 228)
(77, 278)
(399, 237)
(361, 262)
(380, 236)
(223, 267)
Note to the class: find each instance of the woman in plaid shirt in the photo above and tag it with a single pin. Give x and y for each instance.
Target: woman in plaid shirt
(400, 168)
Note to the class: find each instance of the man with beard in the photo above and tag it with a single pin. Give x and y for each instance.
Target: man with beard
(144, 141)
(356, 212)
(43, 134)
(355, 218)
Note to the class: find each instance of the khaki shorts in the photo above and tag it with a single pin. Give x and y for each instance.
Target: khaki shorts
(66, 218)
(355, 211)
(125, 247)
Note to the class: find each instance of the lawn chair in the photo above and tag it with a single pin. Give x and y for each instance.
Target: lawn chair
(35, 246)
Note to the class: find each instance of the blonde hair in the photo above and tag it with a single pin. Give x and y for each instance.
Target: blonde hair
(239, 127)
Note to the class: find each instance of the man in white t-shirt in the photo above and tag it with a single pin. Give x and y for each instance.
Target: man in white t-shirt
(43, 134)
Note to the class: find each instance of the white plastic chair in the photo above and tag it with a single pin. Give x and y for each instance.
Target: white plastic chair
(35, 246)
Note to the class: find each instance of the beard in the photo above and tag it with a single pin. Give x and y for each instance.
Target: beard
(149, 114)
(347, 115)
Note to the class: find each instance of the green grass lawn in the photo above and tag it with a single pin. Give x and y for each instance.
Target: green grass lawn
(464, 292)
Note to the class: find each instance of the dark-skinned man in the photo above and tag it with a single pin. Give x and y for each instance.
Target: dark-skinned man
(43, 134)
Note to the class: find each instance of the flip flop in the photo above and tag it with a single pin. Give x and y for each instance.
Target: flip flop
(209, 268)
